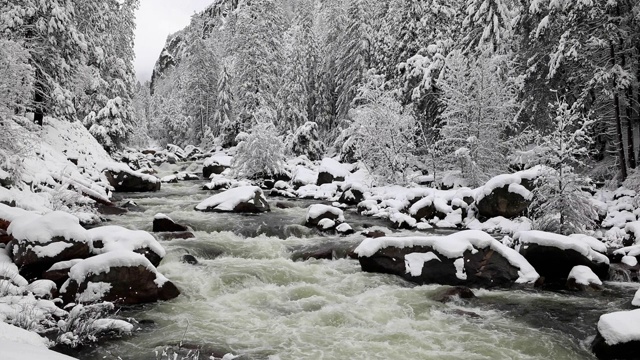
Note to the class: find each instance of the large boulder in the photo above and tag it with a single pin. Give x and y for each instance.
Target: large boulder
(507, 195)
(216, 164)
(469, 258)
(59, 272)
(121, 277)
(618, 335)
(554, 256)
(123, 179)
(353, 194)
(40, 241)
(112, 238)
(331, 170)
(243, 199)
(163, 223)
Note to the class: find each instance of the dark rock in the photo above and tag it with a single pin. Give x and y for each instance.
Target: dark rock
(60, 275)
(627, 350)
(373, 233)
(326, 178)
(149, 152)
(554, 264)
(484, 268)
(209, 170)
(164, 224)
(111, 210)
(451, 293)
(129, 182)
(32, 266)
(573, 286)
(351, 197)
(189, 259)
(428, 212)
(501, 202)
(123, 279)
(285, 205)
(132, 206)
(167, 236)
(4, 237)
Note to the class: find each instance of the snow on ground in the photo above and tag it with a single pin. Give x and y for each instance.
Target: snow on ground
(453, 246)
(20, 344)
(229, 199)
(620, 327)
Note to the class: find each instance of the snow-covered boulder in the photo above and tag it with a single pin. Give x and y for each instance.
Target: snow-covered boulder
(123, 179)
(507, 195)
(319, 212)
(218, 182)
(470, 258)
(39, 241)
(121, 277)
(59, 272)
(163, 223)
(554, 256)
(304, 176)
(582, 278)
(430, 207)
(331, 170)
(353, 194)
(243, 199)
(216, 164)
(113, 238)
(618, 335)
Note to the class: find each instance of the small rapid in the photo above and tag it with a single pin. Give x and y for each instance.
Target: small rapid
(247, 296)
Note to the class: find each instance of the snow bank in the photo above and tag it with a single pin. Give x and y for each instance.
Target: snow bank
(334, 168)
(453, 246)
(229, 199)
(304, 176)
(561, 242)
(620, 327)
(117, 238)
(9, 213)
(42, 228)
(583, 275)
(20, 344)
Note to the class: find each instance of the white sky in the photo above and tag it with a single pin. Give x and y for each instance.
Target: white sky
(156, 19)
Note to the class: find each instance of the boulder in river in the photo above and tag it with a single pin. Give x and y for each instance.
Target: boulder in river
(581, 278)
(121, 277)
(216, 164)
(163, 223)
(318, 212)
(353, 195)
(554, 256)
(116, 238)
(618, 335)
(469, 258)
(451, 293)
(123, 179)
(243, 199)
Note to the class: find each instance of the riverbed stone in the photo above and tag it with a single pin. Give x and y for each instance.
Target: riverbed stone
(502, 202)
(165, 224)
(131, 182)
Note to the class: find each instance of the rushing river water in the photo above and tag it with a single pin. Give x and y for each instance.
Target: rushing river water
(254, 300)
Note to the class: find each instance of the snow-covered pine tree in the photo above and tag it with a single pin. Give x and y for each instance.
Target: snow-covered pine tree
(480, 106)
(260, 153)
(560, 202)
(306, 141)
(225, 122)
(16, 78)
(488, 23)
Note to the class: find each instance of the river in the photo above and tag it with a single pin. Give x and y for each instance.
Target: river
(247, 296)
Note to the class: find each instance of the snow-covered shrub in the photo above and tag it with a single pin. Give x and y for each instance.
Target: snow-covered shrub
(480, 107)
(260, 153)
(16, 78)
(305, 141)
(383, 133)
(560, 202)
(85, 323)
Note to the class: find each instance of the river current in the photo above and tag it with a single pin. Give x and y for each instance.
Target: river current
(247, 296)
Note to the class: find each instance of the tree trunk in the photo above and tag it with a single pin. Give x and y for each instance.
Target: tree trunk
(616, 105)
(38, 100)
(628, 115)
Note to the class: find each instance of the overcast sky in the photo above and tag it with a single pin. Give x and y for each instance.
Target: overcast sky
(156, 19)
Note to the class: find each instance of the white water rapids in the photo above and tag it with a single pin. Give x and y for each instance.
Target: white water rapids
(255, 301)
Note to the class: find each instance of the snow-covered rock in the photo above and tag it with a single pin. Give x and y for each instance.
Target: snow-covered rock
(163, 223)
(618, 335)
(582, 277)
(331, 170)
(318, 212)
(216, 165)
(465, 258)
(112, 238)
(39, 241)
(123, 179)
(553, 255)
(20, 344)
(507, 195)
(218, 182)
(244, 199)
(353, 194)
(344, 229)
(121, 277)
(304, 176)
